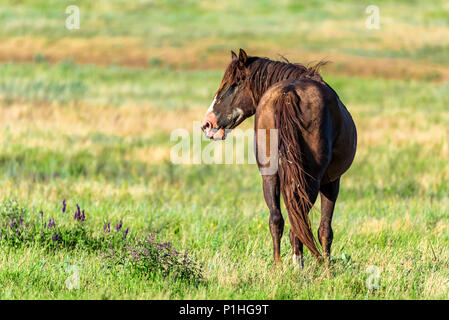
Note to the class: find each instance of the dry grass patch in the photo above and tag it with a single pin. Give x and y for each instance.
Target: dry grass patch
(133, 52)
(396, 129)
(126, 120)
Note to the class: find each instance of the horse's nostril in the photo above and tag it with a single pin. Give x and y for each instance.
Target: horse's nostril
(206, 126)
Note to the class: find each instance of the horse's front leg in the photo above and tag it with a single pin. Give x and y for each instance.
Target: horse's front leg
(272, 198)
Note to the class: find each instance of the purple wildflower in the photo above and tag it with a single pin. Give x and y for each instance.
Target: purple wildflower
(77, 214)
(64, 206)
(21, 222)
(51, 223)
(135, 255)
(107, 227)
(119, 226)
(55, 237)
(80, 216)
(125, 233)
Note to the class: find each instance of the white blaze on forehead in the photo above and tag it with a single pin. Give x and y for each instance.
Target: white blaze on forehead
(211, 107)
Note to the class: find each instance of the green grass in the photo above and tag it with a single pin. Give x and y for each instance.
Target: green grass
(99, 136)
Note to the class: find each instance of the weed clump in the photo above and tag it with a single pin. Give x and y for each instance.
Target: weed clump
(141, 255)
(148, 256)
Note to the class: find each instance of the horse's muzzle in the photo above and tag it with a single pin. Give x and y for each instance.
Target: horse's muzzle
(210, 128)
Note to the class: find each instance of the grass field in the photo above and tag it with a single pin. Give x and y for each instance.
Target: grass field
(86, 115)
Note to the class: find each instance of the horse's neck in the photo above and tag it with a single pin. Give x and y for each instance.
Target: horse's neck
(260, 83)
(261, 78)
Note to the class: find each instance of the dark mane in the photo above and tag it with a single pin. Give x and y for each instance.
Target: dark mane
(263, 73)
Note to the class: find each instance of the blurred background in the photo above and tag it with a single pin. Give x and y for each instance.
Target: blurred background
(86, 114)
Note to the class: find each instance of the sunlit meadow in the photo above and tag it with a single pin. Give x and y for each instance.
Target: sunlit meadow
(85, 123)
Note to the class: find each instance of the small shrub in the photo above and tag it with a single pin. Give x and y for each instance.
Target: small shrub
(39, 58)
(148, 257)
(155, 62)
(10, 208)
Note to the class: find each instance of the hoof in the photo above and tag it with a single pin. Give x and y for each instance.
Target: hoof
(277, 265)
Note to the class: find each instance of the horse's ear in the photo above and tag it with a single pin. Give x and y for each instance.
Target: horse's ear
(243, 57)
(233, 55)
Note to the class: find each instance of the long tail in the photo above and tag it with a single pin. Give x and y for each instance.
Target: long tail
(291, 173)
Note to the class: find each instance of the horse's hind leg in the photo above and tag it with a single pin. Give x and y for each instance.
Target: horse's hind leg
(272, 198)
(297, 245)
(297, 250)
(329, 194)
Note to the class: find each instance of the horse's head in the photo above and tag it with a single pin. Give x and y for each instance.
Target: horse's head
(233, 101)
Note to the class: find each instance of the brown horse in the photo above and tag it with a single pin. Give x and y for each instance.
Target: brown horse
(315, 142)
